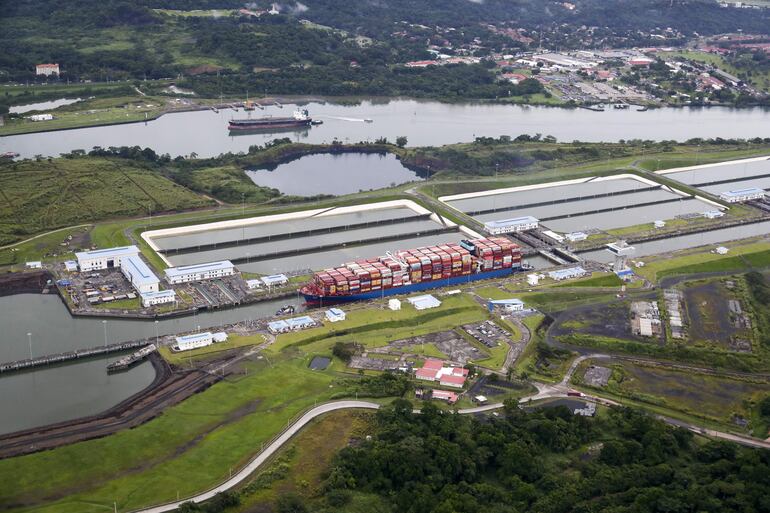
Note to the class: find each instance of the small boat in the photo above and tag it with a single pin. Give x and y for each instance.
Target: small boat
(368, 120)
(642, 109)
(285, 310)
(9, 155)
(317, 122)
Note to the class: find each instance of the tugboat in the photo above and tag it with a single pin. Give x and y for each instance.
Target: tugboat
(285, 310)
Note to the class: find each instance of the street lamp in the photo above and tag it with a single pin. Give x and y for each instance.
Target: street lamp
(156, 333)
(104, 323)
(29, 340)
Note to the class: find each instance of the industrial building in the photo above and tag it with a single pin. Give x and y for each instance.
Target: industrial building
(335, 315)
(434, 370)
(104, 258)
(275, 280)
(509, 305)
(424, 302)
(513, 225)
(47, 69)
(139, 274)
(741, 195)
(566, 274)
(293, 324)
(194, 341)
(394, 304)
(713, 214)
(158, 298)
(576, 236)
(199, 272)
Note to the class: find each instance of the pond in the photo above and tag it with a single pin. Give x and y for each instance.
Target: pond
(335, 174)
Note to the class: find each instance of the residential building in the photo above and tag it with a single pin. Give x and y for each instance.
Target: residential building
(199, 272)
(47, 69)
(444, 395)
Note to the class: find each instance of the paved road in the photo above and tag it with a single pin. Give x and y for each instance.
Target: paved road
(263, 456)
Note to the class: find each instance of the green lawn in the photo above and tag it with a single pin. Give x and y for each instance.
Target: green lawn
(740, 257)
(596, 280)
(121, 304)
(188, 448)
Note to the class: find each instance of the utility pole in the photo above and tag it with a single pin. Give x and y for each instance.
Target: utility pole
(29, 340)
(104, 323)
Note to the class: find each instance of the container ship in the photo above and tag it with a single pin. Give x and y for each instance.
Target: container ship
(300, 118)
(412, 270)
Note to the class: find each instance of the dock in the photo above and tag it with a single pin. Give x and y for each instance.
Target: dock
(53, 359)
(127, 361)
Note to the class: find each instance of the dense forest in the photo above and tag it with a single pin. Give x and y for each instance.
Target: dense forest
(119, 39)
(545, 461)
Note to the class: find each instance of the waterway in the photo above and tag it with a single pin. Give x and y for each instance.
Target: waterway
(424, 123)
(687, 241)
(41, 106)
(334, 174)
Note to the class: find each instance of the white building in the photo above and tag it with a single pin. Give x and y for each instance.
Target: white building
(713, 214)
(741, 195)
(194, 341)
(219, 336)
(104, 258)
(40, 117)
(275, 280)
(47, 69)
(157, 298)
(394, 304)
(533, 279)
(721, 250)
(198, 272)
(566, 274)
(139, 274)
(576, 236)
(513, 225)
(254, 284)
(424, 302)
(35, 265)
(335, 315)
(659, 224)
(555, 236)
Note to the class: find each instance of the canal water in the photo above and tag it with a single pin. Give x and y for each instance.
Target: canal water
(424, 123)
(334, 174)
(687, 241)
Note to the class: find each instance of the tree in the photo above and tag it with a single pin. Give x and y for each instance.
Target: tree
(401, 141)
(291, 503)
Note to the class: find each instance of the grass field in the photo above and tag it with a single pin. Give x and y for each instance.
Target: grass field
(45, 195)
(190, 447)
(233, 341)
(742, 256)
(300, 468)
(596, 280)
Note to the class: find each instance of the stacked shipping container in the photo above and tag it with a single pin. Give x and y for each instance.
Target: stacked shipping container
(410, 266)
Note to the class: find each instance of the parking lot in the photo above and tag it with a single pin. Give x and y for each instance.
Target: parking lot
(488, 333)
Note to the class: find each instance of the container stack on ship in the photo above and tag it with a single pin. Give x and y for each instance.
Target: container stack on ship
(410, 270)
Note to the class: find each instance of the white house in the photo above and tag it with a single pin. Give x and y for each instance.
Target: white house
(47, 69)
(199, 272)
(157, 298)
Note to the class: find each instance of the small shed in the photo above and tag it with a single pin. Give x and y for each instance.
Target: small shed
(533, 279)
(35, 265)
(394, 304)
(71, 266)
(254, 284)
(219, 336)
(721, 250)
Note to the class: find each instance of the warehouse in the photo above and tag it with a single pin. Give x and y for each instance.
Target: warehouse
(335, 315)
(198, 272)
(566, 274)
(104, 258)
(741, 195)
(514, 225)
(194, 341)
(140, 276)
(158, 298)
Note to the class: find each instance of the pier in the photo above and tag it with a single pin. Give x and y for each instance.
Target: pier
(54, 359)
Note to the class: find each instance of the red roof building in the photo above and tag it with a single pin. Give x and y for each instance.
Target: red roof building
(452, 381)
(444, 395)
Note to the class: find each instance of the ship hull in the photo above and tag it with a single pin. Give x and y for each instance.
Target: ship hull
(412, 287)
(268, 126)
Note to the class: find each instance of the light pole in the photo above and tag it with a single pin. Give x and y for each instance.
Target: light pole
(104, 323)
(29, 340)
(156, 333)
